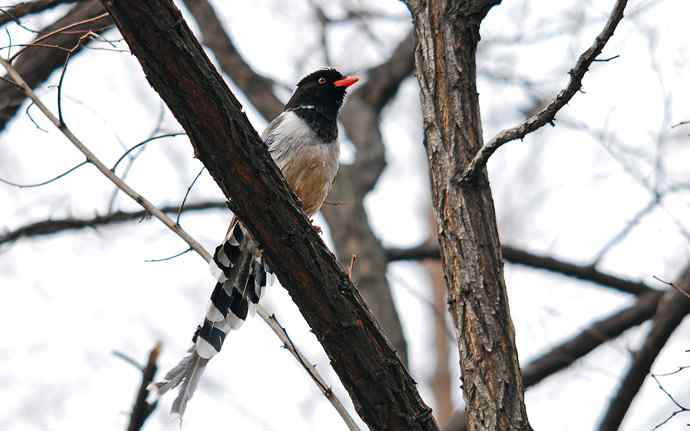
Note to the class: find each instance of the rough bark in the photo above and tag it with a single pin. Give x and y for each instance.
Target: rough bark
(37, 63)
(447, 34)
(383, 393)
(673, 308)
(348, 221)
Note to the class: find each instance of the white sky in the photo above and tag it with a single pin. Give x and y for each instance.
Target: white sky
(71, 299)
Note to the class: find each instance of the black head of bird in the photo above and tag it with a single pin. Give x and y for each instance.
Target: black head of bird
(323, 91)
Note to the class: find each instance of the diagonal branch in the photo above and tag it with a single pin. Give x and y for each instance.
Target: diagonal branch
(383, 393)
(548, 113)
(23, 9)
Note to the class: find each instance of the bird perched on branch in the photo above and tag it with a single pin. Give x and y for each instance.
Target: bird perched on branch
(303, 142)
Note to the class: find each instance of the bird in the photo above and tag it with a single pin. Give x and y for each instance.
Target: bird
(303, 142)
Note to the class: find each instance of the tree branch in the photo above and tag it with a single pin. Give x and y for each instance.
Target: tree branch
(141, 409)
(23, 9)
(37, 63)
(54, 226)
(523, 257)
(382, 391)
(548, 113)
(673, 308)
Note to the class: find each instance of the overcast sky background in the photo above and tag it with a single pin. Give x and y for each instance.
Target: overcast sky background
(71, 299)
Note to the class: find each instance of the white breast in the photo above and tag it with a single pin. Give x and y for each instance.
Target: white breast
(309, 164)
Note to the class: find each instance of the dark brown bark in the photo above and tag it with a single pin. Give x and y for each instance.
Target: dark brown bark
(673, 308)
(447, 34)
(23, 9)
(37, 63)
(348, 222)
(383, 393)
(523, 257)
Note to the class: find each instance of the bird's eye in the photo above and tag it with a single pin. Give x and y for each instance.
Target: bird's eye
(322, 81)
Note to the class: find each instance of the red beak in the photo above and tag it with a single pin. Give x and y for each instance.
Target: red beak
(346, 82)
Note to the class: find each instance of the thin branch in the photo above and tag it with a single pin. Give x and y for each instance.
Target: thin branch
(60, 30)
(55, 226)
(548, 113)
(326, 390)
(186, 195)
(91, 158)
(522, 257)
(23, 9)
(43, 183)
(147, 205)
(42, 61)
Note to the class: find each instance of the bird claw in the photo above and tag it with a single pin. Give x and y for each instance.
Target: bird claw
(316, 227)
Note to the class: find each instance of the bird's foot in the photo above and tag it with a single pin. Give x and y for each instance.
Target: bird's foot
(316, 227)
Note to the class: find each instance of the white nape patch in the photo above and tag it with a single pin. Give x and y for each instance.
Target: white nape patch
(213, 314)
(204, 348)
(251, 309)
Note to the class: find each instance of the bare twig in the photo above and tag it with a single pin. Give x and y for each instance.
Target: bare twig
(679, 407)
(43, 183)
(63, 29)
(548, 113)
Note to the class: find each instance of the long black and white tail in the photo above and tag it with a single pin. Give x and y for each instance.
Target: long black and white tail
(242, 276)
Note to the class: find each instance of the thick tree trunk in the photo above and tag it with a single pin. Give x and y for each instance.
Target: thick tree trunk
(382, 391)
(447, 35)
